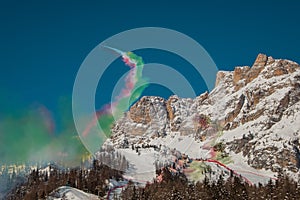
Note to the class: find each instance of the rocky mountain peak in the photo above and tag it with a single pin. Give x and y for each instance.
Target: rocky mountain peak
(236, 96)
(263, 99)
(142, 110)
(269, 67)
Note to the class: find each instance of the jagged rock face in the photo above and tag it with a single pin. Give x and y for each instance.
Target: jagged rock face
(170, 108)
(146, 117)
(261, 61)
(233, 114)
(244, 75)
(240, 77)
(220, 76)
(140, 112)
(263, 99)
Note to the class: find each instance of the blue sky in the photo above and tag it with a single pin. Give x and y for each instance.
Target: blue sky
(43, 43)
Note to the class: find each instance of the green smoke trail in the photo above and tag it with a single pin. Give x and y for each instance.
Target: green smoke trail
(135, 84)
(24, 138)
(139, 82)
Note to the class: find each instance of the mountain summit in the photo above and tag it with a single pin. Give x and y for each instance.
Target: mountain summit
(254, 110)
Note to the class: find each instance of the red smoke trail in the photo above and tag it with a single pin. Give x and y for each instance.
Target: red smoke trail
(47, 119)
(229, 169)
(106, 109)
(212, 153)
(128, 62)
(130, 81)
(90, 126)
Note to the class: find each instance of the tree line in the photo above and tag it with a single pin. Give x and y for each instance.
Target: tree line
(177, 186)
(39, 184)
(174, 186)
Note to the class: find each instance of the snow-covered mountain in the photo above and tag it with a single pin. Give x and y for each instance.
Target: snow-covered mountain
(247, 125)
(253, 111)
(69, 193)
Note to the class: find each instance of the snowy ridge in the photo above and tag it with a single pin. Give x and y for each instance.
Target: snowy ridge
(69, 193)
(254, 111)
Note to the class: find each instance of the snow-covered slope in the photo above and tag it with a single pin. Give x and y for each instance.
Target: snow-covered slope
(69, 193)
(254, 111)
